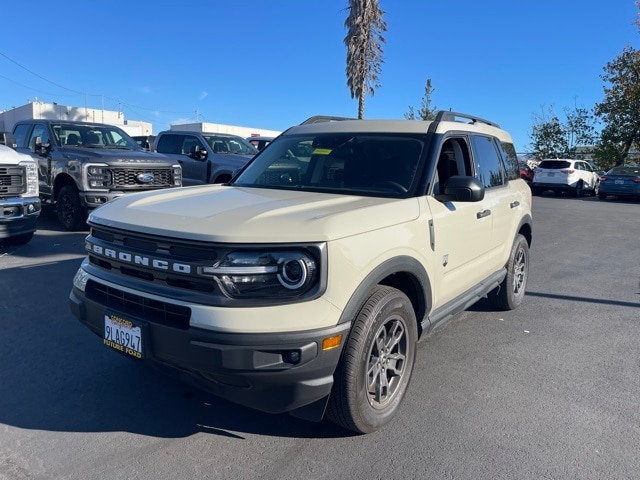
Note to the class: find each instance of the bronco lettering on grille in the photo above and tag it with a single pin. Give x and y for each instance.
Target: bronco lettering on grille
(142, 260)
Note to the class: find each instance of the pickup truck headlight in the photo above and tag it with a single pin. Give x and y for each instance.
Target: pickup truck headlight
(32, 178)
(177, 175)
(97, 176)
(260, 274)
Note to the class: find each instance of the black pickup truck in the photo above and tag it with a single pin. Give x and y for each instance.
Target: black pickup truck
(83, 165)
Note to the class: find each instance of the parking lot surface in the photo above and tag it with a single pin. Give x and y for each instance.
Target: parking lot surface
(550, 390)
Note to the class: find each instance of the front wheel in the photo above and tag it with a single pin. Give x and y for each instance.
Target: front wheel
(71, 214)
(377, 362)
(510, 293)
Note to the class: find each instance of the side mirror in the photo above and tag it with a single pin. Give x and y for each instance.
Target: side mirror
(8, 139)
(197, 153)
(41, 148)
(464, 189)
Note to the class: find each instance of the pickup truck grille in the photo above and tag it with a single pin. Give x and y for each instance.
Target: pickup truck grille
(124, 178)
(12, 180)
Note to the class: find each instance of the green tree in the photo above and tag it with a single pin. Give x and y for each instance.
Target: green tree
(553, 138)
(427, 111)
(619, 112)
(548, 136)
(365, 26)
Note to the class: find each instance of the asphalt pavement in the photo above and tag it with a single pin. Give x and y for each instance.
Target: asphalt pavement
(548, 391)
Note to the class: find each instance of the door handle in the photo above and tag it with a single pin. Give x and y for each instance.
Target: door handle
(484, 213)
(514, 204)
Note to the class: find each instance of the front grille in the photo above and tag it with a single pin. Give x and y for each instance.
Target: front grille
(153, 311)
(12, 180)
(127, 177)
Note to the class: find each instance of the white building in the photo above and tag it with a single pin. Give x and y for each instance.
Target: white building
(207, 127)
(41, 110)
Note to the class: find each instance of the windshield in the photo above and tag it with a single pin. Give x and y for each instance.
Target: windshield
(350, 163)
(93, 136)
(230, 144)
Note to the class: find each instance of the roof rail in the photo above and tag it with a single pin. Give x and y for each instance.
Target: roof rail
(324, 118)
(444, 115)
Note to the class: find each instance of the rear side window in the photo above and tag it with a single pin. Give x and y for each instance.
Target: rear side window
(170, 144)
(508, 152)
(21, 132)
(554, 164)
(489, 169)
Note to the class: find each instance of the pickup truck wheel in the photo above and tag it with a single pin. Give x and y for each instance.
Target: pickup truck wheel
(376, 364)
(509, 294)
(71, 214)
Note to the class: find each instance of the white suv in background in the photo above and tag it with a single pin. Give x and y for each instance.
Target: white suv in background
(565, 175)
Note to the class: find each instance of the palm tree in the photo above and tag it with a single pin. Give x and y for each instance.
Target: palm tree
(364, 40)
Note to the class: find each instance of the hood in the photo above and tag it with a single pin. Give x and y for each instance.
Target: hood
(114, 156)
(216, 213)
(11, 157)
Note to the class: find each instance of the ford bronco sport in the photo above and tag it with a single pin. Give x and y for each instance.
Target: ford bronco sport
(304, 284)
(83, 165)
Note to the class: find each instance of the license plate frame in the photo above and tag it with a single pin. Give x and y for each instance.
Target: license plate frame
(619, 182)
(124, 335)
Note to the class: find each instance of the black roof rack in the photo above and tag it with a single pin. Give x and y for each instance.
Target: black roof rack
(444, 115)
(324, 118)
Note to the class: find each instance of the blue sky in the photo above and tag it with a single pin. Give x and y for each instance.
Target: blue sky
(272, 64)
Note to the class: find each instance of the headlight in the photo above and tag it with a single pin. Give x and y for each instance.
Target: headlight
(97, 176)
(32, 178)
(259, 274)
(177, 175)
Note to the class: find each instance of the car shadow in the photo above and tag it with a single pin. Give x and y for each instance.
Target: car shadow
(58, 376)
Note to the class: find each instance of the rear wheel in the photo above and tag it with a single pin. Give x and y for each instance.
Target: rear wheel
(579, 191)
(71, 214)
(377, 362)
(510, 293)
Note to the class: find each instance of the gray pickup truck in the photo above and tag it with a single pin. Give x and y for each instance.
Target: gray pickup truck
(83, 165)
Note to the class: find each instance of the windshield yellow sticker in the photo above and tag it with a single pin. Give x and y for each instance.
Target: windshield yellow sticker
(322, 151)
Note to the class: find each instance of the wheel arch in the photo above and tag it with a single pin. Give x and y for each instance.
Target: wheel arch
(61, 180)
(526, 228)
(404, 273)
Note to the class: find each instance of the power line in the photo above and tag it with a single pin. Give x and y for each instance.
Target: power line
(82, 93)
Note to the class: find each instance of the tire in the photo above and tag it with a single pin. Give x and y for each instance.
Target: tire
(536, 191)
(21, 239)
(579, 191)
(71, 214)
(596, 189)
(510, 293)
(376, 364)
(602, 196)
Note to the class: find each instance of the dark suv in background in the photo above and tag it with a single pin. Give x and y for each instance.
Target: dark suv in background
(83, 165)
(205, 157)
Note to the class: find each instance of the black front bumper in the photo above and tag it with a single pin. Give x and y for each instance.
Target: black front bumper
(259, 371)
(18, 216)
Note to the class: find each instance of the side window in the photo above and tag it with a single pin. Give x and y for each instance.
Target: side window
(489, 168)
(510, 158)
(190, 143)
(21, 132)
(453, 159)
(39, 130)
(170, 144)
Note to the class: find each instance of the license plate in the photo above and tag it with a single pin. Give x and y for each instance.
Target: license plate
(619, 182)
(122, 335)
(551, 174)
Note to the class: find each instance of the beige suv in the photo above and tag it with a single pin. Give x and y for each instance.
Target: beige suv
(304, 284)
